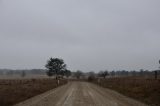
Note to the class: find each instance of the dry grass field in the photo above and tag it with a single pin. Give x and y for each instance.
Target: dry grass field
(145, 90)
(13, 91)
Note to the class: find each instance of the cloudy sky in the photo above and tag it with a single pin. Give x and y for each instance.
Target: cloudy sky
(87, 34)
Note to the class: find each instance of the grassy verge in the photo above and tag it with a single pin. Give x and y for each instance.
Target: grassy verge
(14, 91)
(145, 90)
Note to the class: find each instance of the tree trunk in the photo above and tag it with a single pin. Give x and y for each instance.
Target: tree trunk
(56, 77)
(155, 74)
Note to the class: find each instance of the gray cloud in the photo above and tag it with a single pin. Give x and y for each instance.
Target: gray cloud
(87, 34)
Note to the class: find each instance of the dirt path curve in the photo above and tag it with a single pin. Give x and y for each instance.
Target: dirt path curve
(80, 94)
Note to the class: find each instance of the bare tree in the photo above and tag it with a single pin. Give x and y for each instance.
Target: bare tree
(78, 74)
(23, 74)
(103, 74)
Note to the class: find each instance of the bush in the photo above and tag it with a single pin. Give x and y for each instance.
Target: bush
(91, 78)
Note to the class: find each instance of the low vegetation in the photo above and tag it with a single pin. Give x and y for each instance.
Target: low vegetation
(145, 90)
(17, 90)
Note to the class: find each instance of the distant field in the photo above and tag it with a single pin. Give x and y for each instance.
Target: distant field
(13, 91)
(145, 90)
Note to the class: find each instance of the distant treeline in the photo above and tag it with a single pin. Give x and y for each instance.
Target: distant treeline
(80, 74)
(133, 73)
(20, 72)
(119, 73)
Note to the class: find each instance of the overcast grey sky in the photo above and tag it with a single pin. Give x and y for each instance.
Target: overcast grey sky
(87, 34)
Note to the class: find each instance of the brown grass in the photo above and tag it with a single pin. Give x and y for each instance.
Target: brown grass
(145, 90)
(14, 91)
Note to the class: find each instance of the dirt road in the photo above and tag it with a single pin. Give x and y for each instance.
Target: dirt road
(80, 94)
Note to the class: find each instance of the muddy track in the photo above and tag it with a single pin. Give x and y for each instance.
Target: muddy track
(80, 94)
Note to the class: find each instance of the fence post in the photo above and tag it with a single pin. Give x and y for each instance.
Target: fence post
(58, 82)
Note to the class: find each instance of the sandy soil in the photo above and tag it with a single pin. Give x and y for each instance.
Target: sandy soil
(80, 94)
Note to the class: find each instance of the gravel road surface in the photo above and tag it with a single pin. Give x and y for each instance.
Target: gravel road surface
(80, 94)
